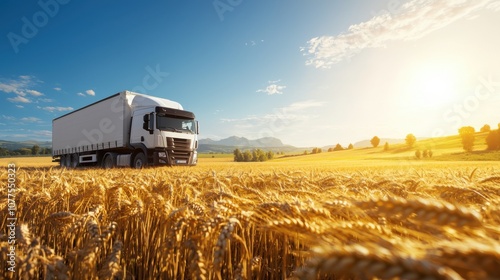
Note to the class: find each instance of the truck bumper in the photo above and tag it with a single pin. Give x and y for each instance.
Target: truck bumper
(175, 157)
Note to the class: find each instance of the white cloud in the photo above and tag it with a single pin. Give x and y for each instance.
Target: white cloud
(59, 109)
(34, 92)
(299, 106)
(252, 43)
(46, 100)
(495, 6)
(9, 118)
(18, 86)
(21, 87)
(415, 19)
(80, 94)
(46, 133)
(6, 87)
(19, 99)
(31, 119)
(57, 89)
(90, 92)
(273, 88)
(19, 106)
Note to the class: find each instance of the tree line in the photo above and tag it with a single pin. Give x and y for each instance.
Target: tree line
(468, 136)
(254, 155)
(35, 150)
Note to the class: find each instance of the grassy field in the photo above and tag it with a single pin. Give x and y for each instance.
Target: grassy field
(359, 214)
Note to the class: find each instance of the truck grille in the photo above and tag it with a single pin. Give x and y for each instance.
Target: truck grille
(180, 149)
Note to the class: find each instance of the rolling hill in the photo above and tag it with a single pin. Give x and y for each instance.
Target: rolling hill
(448, 148)
(14, 145)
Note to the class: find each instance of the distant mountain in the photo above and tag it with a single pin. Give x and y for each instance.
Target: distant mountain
(236, 141)
(228, 145)
(14, 145)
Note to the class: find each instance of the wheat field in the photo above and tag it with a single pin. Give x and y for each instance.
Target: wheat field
(256, 221)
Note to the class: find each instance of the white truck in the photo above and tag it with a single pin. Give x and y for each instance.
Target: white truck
(126, 129)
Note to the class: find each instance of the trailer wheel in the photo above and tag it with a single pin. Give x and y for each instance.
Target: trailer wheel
(108, 162)
(140, 161)
(74, 160)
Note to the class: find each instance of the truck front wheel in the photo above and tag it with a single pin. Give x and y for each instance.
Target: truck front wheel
(140, 161)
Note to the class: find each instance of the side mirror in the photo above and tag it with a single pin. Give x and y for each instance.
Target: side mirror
(197, 128)
(149, 123)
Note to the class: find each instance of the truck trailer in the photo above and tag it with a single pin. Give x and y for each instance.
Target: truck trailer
(126, 129)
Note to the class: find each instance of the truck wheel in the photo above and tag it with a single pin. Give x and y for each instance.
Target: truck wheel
(74, 160)
(62, 161)
(67, 161)
(140, 161)
(108, 162)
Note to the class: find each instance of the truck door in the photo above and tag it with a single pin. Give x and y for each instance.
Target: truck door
(142, 133)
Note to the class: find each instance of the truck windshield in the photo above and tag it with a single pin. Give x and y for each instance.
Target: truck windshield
(169, 123)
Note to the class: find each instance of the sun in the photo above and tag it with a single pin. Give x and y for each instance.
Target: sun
(434, 85)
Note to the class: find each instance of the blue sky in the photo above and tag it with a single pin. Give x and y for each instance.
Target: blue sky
(311, 73)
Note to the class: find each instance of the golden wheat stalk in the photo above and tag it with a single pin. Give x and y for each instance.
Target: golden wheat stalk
(471, 259)
(369, 263)
(111, 268)
(426, 210)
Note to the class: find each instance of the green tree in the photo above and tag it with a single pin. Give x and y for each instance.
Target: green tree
(375, 141)
(418, 154)
(350, 147)
(4, 152)
(386, 146)
(270, 155)
(238, 156)
(316, 150)
(262, 156)
(35, 150)
(410, 140)
(247, 156)
(493, 140)
(24, 151)
(486, 128)
(255, 155)
(467, 134)
(338, 147)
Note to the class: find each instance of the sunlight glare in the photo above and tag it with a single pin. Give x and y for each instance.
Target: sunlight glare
(434, 85)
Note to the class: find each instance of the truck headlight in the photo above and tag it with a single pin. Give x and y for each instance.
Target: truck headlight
(162, 154)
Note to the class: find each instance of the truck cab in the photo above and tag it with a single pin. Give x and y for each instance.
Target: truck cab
(169, 135)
